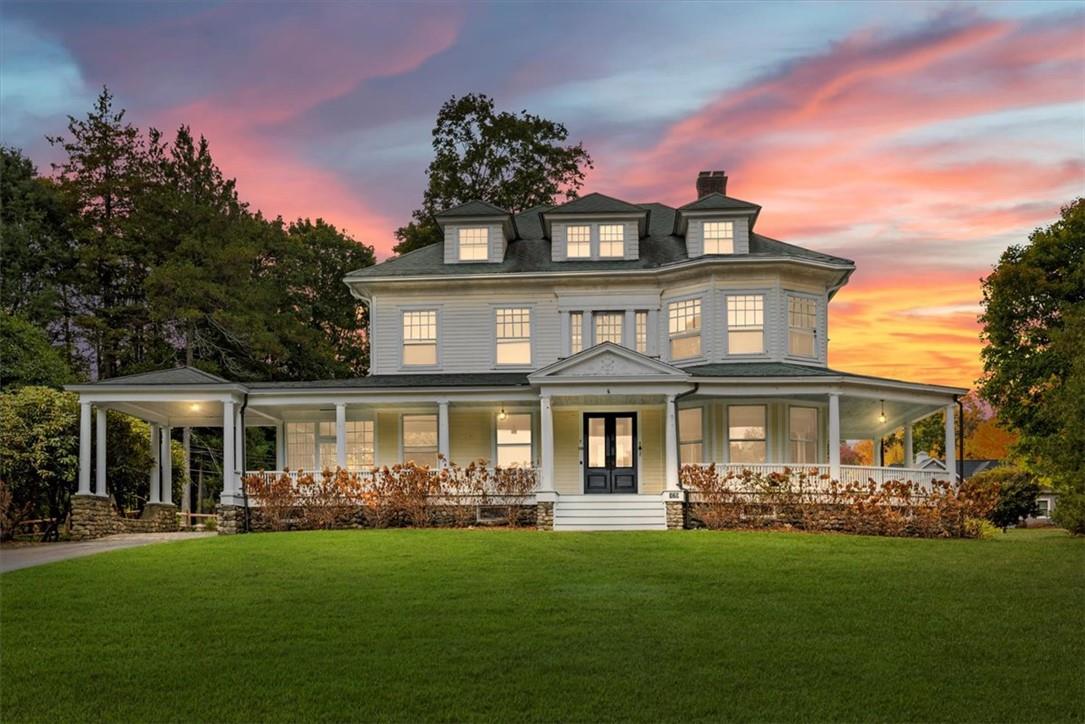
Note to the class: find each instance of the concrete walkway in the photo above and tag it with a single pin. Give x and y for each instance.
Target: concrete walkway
(12, 559)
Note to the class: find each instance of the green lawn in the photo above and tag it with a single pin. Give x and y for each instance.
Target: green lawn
(502, 625)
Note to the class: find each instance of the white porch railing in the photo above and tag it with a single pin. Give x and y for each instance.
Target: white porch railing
(268, 475)
(848, 473)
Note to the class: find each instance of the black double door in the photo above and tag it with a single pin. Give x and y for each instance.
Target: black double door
(610, 452)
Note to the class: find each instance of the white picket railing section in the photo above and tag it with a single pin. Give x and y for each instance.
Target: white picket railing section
(364, 475)
(848, 473)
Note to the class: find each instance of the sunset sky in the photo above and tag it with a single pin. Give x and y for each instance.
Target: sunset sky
(919, 139)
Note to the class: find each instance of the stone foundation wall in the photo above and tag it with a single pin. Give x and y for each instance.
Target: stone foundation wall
(230, 519)
(544, 515)
(676, 514)
(94, 516)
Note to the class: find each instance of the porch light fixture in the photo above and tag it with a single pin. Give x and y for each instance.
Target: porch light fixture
(195, 407)
(502, 415)
(881, 417)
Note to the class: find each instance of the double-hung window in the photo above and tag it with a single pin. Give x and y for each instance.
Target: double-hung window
(576, 332)
(611, 240)
(474, 243)
(684, 327)
(301, 446)
(691, 435)
(719, 237)
(513, 328)
(420, 337)
(746, 324)
(420, 439)
(608, 327)
(803, 433)
(514, 440)
(802, 326)
(312, 446)
(640, 331)
(746, 434)
(578, 242)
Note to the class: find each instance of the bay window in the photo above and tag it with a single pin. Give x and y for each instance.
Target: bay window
(746, 434)
(802, 326)
(513, 333)
(420, 337)
(684, 326)
(746, 324)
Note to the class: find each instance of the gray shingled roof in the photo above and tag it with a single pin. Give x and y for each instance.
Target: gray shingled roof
(759, 369)
(435, 379)
(474, 208)
(596, 203)
(716, 201)
(174, 376)
(530, 252)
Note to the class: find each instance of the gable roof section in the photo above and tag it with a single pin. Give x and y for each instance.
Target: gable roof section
(596, 203)
(716, 201)
(174, 376)
(608, 361)
(472, 208)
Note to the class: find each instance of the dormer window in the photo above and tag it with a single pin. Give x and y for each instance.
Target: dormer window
(578, 242)
(611, 240)
(474, 243)
(719, 237)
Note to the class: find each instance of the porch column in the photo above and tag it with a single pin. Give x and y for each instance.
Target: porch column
(546, 425)
(167, 466)
(84, 448)
(909, 452)
(951, 452)
(229, 487)
(341, 435)
(671, 460)
(834, 436)
(156, 466)
(442, 433)
(100, 452)
(877, 451)
(280, 446)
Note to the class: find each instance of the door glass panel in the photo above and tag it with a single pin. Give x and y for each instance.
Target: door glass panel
(623, 442)
(597, 442)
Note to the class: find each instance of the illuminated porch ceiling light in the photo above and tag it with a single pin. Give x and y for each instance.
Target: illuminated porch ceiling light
(195, 407)
(881, 417)
(502, 415)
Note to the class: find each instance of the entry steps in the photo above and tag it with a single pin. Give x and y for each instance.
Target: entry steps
(610, 512)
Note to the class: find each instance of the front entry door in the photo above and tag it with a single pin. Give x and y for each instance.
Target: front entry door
(610, 452)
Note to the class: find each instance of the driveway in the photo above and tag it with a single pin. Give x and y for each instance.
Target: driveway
(15, 558)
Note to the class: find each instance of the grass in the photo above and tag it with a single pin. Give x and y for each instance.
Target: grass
(411, 625)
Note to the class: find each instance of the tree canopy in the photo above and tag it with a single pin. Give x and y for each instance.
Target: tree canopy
(516, 161)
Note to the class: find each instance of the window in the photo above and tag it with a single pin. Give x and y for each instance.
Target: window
(474, 244)
(1042, 508)
(691, 435)
(300, 446)
(684, 325)
(608, 327)
(312, 446)
(746, 433)
(576, 332)
(746, 324)
(578, 242)
(420, 338)
(803, 432)
(640, 329)
(719, 237)
(802, 323)
(514, 336)
(611, 240)
(420, 439)
(514, 440)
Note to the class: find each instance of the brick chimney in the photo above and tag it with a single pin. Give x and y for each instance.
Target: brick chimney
(711, 182)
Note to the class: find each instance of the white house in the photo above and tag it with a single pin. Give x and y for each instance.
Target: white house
(602, 342)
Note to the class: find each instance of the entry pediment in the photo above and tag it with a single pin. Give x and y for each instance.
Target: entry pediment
(607, 361)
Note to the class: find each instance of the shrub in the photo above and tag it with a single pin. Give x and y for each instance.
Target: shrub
(802, 499)
(1016, 489)
(980, 528)
(1069, 512)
